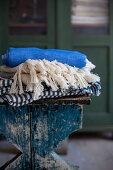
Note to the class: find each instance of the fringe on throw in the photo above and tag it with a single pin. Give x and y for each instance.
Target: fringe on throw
(54, 74)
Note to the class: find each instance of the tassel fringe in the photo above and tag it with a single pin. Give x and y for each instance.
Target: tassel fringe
(54, 74)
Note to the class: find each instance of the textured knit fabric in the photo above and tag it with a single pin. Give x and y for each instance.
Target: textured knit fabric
(16, 56)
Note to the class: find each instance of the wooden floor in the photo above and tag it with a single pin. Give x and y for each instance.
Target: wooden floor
(89, 151)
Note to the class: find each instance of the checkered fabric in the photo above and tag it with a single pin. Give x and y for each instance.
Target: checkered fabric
(22, 99)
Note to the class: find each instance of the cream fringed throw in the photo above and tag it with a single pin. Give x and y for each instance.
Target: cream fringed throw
(55, 75)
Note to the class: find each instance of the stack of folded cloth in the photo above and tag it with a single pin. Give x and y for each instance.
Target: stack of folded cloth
(30, 74)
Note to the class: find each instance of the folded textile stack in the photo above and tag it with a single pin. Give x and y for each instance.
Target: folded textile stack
(90, 12)
(38, 79)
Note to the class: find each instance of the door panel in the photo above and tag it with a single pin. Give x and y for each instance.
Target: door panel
(97, 43)
(31, 25)
(100, 57)
(28, 17)
(89, 17)
(35, 26)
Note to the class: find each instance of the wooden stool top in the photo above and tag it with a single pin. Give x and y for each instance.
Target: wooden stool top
(81, 100)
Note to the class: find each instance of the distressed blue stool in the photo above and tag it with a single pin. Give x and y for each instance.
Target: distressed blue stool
(38, 128)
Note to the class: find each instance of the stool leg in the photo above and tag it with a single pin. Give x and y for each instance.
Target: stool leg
(37, 131)
(20, 163)
(52, 161)
(51, 125)
(15, 126)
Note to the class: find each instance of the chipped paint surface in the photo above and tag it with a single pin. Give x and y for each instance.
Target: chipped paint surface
(51, 125)
(16, 128)
(37, 130)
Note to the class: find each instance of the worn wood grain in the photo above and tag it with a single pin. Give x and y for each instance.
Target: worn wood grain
(38, 128)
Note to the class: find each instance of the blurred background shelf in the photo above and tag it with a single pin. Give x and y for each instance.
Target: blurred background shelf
(27, 29)
(27, 25)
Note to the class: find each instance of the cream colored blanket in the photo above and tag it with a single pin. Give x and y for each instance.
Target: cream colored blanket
(55, 75)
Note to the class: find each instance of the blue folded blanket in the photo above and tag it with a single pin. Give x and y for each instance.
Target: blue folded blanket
(16, 56)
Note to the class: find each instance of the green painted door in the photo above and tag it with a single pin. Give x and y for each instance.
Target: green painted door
(96, 41)
(3, 26)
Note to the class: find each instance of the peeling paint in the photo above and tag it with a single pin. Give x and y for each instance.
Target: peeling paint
(37, 130)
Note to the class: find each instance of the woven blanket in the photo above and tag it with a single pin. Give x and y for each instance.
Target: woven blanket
(16, 56)
(27, 97)
(40, 79)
